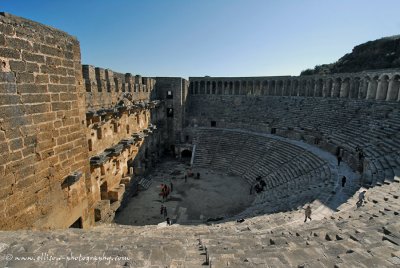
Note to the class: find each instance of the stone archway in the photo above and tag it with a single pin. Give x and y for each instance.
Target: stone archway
(186, 154)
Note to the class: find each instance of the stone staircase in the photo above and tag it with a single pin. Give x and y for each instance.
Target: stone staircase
(144, 183)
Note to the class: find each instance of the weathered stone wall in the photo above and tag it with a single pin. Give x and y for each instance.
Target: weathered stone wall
(122, 136)
(42, 135)
(173, 90)
(104, 87)
(123, 144)
(73, 138)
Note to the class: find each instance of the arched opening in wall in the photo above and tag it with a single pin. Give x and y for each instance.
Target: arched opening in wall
(230, 88)
(104, 191)
(328, 88)
(243, 88)
(213, 87)
(208, 87)
(90, 145)
(138, 119)
(344, 89)
(303, 86)
(225, 90)
(186, 155)
(336, 88)
(279, 88)
(264, 88)
(295, 88)
(115, 127)
(117, 165)
(354, 88)
(77, 224)
(271, 88)
(191, 88)
(250, 88)
(237, 87)
(130, 165)
(202, 87)
(256, 87)
(318, 90)
(127, 129)
(169, 94)
(287, 88)
(364, 87)
(310, 88)
(99, 133)
(219, 88)
(213, 123)
(196, 87)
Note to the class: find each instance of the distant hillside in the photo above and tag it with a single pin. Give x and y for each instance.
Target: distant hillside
(379, 54)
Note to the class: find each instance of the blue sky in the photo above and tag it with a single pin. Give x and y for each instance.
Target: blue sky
(214, 37)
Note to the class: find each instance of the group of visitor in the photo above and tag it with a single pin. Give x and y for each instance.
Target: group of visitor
(259, 186)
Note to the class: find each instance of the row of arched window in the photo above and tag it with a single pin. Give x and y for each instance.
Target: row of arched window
(380, 87)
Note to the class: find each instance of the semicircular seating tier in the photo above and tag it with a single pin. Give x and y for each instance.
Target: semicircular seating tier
(291, 172)
(329, 123)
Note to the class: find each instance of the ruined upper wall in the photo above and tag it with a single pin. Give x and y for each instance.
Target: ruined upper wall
(43, 149)
(104, 87)
(379, 85)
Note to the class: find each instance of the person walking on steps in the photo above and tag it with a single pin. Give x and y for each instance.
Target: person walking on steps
(361, 199)
(165, 212)
(339, 159)
(162, 210)
(307, 213)
(344, 180)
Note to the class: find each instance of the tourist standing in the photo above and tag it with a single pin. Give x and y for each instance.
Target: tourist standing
(361, 198)
(344, 180)
(339, 159)
(307, 213)
(165, 212)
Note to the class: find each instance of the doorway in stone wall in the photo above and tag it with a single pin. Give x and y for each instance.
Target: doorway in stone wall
(104, 191)
(77, 223)
(186, 155)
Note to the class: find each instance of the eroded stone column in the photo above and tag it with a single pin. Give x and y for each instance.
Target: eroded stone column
(382, 88)
(372, 86)
(344, 89)
(393, 92)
